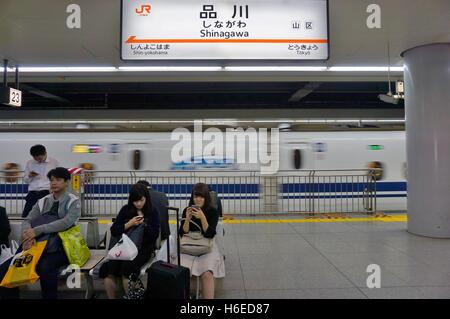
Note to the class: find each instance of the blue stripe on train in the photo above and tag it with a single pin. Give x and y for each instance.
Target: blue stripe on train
(169, 197)
(227, 188)
(252, 197)
(342, 187)
(254, 188)
(344, 196)
(13, 188)
(174, 189)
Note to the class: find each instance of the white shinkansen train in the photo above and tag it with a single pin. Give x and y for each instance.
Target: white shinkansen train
(128, 151)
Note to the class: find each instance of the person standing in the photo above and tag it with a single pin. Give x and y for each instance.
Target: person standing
(35, 176)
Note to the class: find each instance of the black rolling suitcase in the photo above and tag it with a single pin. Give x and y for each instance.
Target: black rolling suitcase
(166, 280)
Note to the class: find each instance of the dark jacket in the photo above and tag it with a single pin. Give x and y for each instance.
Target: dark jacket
(5, 228)
(160, 201)
(151, 231)
(212, 216)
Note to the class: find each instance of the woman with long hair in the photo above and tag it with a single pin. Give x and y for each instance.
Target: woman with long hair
(139, 210)
(210, 265)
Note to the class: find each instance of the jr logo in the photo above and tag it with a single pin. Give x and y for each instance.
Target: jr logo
(144, 10)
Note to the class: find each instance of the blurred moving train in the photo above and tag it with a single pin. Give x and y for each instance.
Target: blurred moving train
(128, 151)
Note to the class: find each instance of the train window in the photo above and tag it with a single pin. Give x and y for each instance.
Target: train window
(319, 147)
(137, 159)
(379, 174)
(12, 172)
(298, 159)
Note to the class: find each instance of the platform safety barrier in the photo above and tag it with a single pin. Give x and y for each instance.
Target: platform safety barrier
(103, 193)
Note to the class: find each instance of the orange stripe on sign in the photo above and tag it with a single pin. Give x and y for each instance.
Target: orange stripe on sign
(132, 39)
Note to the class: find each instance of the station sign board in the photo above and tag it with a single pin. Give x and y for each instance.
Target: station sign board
(289, 30)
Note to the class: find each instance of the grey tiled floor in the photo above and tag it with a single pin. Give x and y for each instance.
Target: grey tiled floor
(329, 260)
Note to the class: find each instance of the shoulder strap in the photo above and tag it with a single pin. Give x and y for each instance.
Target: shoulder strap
(41, 203)
(72, 199)
(192, 222)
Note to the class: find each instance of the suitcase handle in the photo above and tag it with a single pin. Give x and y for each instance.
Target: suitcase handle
(168, 265)
(177, 211)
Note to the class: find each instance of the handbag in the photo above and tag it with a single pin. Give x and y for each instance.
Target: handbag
(136, 288)
(125, 249)
(136, 234)
(194, 243)
(54, 243)
(75, 246)
(7, 253)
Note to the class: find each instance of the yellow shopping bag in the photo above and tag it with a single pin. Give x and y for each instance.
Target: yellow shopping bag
(22, 270)
(75, 246)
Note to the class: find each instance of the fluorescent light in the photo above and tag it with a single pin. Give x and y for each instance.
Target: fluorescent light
(97, 69)
(364, 69)
(205, 121)
(276, 68)
(272, 121)
(346, 121)
(302, 121)
(68, 69)
(10, 69)
(317, 121)
(93, 122)
(168, 68)
(384, 121)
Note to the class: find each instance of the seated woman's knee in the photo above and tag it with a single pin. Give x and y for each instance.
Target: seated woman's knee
(207, 274)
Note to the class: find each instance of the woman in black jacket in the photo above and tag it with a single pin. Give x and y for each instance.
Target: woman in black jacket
(5, 228)
(139, 210)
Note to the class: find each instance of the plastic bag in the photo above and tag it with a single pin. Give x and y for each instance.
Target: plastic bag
(75, 246)
(22, 270)
(125, 249)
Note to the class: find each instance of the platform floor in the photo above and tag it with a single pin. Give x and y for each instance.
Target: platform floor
(283, 257)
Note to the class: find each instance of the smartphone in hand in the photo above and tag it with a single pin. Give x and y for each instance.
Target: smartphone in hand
(33, 174)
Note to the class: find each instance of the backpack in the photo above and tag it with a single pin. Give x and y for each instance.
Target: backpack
(72, 199)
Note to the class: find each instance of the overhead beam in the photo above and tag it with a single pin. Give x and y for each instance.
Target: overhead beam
(189, 114)
(304, 91)
(44, 94)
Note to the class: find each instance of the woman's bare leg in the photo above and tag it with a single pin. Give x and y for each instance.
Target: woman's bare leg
(125, 282)
(207, 281)
(110, 287)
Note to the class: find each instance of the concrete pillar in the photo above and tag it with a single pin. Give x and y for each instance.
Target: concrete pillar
(427, 100)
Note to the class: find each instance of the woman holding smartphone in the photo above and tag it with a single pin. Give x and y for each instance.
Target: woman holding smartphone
(201, 212)
(138, 211)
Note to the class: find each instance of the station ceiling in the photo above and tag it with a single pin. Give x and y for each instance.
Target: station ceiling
(201, 95)
(33, 33)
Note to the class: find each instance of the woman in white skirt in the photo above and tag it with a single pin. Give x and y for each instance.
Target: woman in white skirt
(210, 265)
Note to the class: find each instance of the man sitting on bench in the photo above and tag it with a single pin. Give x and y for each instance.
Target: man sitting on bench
(52, 214)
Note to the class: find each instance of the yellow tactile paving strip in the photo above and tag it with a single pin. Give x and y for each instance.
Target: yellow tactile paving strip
(385, 219)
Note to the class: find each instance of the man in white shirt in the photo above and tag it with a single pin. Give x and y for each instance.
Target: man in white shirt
(36, 172)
